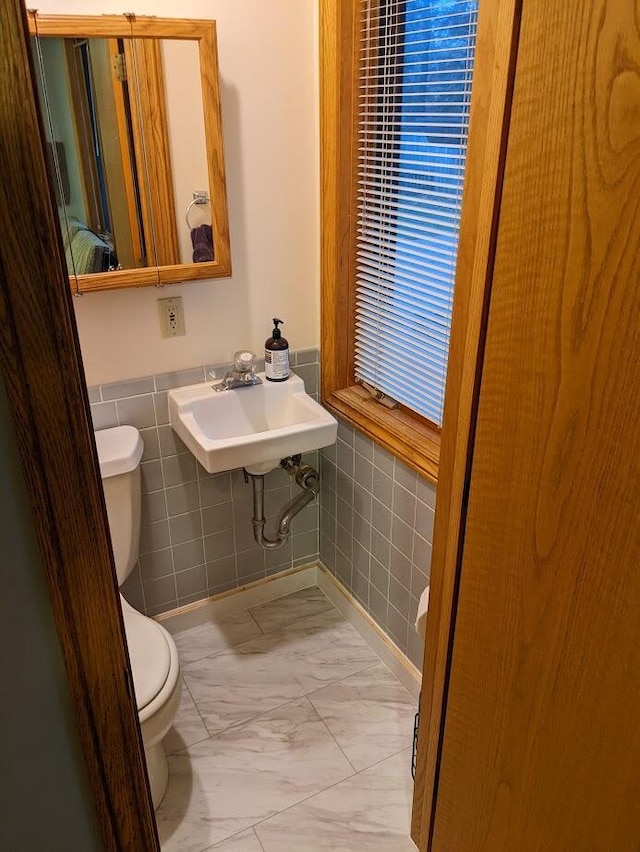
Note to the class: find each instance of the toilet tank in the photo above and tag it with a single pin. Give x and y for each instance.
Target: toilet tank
(119, 453)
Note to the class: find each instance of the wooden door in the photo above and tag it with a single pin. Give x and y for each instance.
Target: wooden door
(540, 743)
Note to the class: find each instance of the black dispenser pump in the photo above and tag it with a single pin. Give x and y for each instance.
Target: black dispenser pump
(276, 355)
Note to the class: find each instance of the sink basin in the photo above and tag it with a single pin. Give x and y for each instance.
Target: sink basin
(251, 427)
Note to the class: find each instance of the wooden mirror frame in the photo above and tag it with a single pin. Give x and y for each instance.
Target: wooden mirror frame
(204, 32)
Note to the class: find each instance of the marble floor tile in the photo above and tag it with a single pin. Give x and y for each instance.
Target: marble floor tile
(242, 682)
(247, 841)
(369, 811)
(230, 782)
(370, 715)
(188, 727)
(275, 615)
(199, 633)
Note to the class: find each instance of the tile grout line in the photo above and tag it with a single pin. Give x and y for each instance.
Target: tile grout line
(330, 787)
(306, 695)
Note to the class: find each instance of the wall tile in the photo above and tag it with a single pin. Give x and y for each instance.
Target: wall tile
(400, 567)
(405, 476)
(183, 498)
(427, 492)
(217, 518)
(185, 527)
(214, 490)
(132, 590)
(136, 411)
(151, 444)
(179, 379)
(188, 554)
(398, 595)
(157, 564)
(364, 446)
(306, 356)
(383, 460)
(94, 394)
(402, 536)
(379, 575)
(154, 507)
(220, 572)
(424, 520)
(134, 387)
(422, 553)
(161, 405)
(380, 546)
(361, 531)
(305, 544)
(344, 569)
(104, 415)
(170, 443)
(309, 375)
(152, 479)
(249, 562)
(218, 545)
(387, 566)
(362, 501)
(398, 626)
(154, 536)
(404, 504)
(382, 487)
(378, 606)
(277, 560)
(179, 470)
(345, 432)
(160, 593)
(191, 581)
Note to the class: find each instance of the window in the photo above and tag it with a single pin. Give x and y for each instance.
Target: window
(403, 99)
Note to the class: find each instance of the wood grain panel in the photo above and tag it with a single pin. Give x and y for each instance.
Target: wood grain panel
(42, 369)
(541, 746)
(496, 46)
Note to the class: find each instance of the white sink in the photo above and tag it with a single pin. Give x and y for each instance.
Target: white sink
(250, 427)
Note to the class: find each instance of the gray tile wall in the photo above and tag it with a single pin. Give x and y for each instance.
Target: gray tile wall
(376, 529)
(196, 537)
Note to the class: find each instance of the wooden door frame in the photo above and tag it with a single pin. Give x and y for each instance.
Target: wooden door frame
(494, 70)
(42, 367)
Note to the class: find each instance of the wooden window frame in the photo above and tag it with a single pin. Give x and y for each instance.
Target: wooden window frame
(406, 434)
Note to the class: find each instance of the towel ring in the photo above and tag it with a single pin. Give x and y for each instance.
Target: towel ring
(199, 197)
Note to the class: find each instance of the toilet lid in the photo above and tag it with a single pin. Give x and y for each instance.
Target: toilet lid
(150, 656)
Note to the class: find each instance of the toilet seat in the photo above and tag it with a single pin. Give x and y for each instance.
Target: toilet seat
(149, 654)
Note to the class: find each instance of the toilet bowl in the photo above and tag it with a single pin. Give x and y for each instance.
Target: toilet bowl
(154, 657)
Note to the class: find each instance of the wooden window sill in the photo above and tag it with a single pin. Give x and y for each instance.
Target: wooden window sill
(409, 439)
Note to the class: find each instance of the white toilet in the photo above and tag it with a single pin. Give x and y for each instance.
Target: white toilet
(154, 656)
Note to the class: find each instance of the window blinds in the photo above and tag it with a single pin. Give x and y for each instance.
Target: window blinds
(416, 63)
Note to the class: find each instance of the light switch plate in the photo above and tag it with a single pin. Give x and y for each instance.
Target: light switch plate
(171, 317)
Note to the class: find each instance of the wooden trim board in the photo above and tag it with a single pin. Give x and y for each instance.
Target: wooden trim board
(42, 369)
(494, 68)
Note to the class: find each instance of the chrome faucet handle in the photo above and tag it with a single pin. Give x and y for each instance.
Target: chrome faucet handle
(244, 361)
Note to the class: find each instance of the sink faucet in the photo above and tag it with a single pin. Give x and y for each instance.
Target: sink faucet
(241, 375)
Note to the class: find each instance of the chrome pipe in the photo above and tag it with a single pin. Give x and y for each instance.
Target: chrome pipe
(307, 478)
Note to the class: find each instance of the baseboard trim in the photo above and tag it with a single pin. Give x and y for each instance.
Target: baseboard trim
(370, 631)
(252, 594)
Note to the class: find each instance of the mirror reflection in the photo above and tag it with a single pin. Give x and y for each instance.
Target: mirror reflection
(127, 143)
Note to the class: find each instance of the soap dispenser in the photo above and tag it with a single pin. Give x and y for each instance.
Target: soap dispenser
(276, 355)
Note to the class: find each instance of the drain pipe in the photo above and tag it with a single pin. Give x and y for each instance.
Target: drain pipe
(306, 477)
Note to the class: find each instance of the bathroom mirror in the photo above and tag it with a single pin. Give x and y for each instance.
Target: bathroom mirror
(131, 112)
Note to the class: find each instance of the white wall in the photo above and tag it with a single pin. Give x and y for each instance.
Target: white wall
(268, 70)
